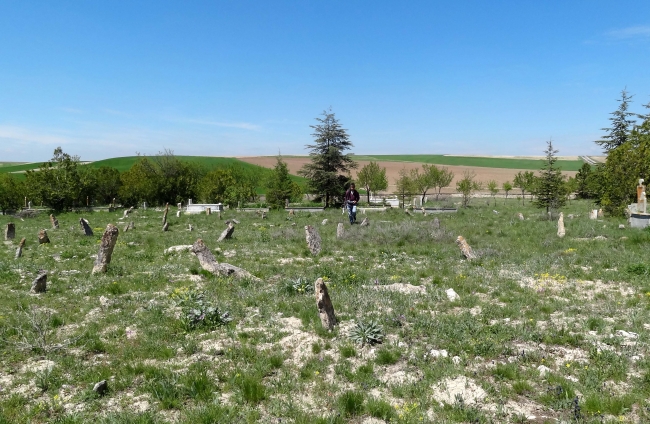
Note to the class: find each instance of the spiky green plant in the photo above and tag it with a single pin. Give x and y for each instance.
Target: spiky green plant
(367, 332)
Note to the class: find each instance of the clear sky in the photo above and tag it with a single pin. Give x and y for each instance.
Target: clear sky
(228, 78)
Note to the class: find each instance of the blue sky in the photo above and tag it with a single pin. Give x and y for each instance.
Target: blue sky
(229, 78)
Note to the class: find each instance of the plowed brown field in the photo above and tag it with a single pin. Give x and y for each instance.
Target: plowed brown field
(500, 175)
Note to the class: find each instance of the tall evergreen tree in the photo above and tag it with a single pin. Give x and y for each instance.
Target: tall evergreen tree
(621, 124)
(280, 187)
(329, 165)
(550, 189)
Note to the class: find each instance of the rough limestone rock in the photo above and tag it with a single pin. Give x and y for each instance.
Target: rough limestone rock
(210, 264)
(227, 233)
(128, 211)
(181, 248)
(39, 285)
(324, 304)
(621, 226)
(208, 211)
(324, 222)
(560, 226)
(600, 213)
(313, 239)
(365, 222)
(10, 231)
(465, 248)
(593, 214)
(520, 216)
(408, 212)
(264, 215)
(54, 222)
(101, 388)
(19, 251)
(234, 221)
(452, 295)
(340, 231)
(436, 223)
(106, 249)
(165, 226)
(189, 227)
(292, 212)
(178, 214)
(42, 237)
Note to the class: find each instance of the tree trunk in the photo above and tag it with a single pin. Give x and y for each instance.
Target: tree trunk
(106, 249)
(324, 304)
(209, 263)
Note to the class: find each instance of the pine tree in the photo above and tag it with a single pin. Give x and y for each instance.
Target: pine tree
(280, 187)
(329, 165)
(550, 189)
(621, 124)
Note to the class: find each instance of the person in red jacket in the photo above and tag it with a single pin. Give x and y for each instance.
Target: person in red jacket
(351, 200)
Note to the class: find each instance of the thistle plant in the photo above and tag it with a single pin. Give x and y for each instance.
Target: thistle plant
(299, 285)
(367, 332)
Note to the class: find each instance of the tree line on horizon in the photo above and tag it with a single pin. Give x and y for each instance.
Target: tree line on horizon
(64, 183)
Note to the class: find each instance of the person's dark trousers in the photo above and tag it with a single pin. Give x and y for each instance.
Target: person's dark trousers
(351, 215)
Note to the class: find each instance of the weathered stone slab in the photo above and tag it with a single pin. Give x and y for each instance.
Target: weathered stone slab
(340, 230)
(39, 285)
(210, 264)
(175, 249)
(42, 237)
(436, 223)
(227, 233)
(324, 222)
(54, 222)
(324, 305)
(165, 226)
(365, 222)
(560, 226)
(520, 216)
(164, 219)
(593, 214)
(19, 251)
(85, 226)
(465, 248)
(313, 239)
(106, 247)
(10, 231)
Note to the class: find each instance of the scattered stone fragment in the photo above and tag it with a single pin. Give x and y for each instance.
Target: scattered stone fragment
(465, 248)
(456, 360)
(101, 388)
(54, 222)
(209, 263)
(42, 237)
(85, 225)
(408, 212)
(19, 251)
(340, 231)
(178, 214)
(495, 212)
(189, 227)
(291, 212)
(435, 353)
(600, 238)
(39, 285)
(313, 239)
(365, 222)
(600, 213)
(627, 334)
(452, 295)
(560, 226)
(263, 214)
(324, 222)
(436, 223)
(520, 216)
(165, 226)
(127, 212)
(10, 231)
(208, 211)
(106, 247)
(593, 214)
(234, 221)
(543, 370)
(621, 226)
(227, 233)
(570, 216)
(324, 304)
(181, 248)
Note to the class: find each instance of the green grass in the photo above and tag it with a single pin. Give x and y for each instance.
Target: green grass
(530, 299)
(507, 163)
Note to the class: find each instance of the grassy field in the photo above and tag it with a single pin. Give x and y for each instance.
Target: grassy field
(487, 162)
(544, 330)
(10, 164)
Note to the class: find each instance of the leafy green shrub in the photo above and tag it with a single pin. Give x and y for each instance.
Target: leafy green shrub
(367, 332)
(199, 311)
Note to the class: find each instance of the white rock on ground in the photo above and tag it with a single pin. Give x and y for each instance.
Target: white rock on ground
(452, 295)
(435, 353)
(543, 370)
(449, 390)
